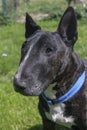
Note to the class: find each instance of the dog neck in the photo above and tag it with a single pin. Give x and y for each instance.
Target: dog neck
(67, 79)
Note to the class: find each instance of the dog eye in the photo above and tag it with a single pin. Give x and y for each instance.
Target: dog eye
(48, 50)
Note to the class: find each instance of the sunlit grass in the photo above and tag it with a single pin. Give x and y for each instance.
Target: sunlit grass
(16, 111)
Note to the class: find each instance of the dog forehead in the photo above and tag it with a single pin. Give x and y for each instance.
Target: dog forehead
(40, 38)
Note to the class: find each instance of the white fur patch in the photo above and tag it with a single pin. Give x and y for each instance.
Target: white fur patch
(49, 92)
(23, 62)
(56, 112)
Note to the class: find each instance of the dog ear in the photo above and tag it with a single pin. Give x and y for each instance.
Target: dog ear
(30, 26)
(68, 27)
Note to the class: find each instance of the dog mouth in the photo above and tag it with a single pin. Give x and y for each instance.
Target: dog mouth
(32, 90)
(36, 91)
(28, 92)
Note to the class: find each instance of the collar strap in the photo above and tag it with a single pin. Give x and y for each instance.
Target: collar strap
(75, 88)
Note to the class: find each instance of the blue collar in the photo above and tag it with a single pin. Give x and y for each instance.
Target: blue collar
(75, 88)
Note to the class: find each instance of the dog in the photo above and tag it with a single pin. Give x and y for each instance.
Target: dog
(50, 69)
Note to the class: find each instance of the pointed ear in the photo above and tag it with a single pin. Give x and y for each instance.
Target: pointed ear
(68, 27)
(30, 26)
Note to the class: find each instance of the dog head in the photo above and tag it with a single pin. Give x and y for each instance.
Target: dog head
(45, 55)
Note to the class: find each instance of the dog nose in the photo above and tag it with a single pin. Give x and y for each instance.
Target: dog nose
(18, 83)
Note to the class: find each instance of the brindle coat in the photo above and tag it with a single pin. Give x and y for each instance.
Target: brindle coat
(48, 58)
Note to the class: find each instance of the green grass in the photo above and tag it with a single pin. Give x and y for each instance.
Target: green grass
(81, 44)
(16, 111)
(44, 6)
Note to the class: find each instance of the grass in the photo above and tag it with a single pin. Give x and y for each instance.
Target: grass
(16, 111)
(81, 45)
(44, 6)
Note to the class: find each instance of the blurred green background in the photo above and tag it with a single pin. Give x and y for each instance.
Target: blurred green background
(16, 111)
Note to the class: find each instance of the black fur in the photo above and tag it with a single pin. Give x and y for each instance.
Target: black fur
(48, 57)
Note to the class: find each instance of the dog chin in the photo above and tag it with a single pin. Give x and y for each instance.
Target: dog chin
(26, 92)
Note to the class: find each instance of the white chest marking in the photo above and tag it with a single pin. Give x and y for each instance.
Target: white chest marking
(49, 92)
(56, 114)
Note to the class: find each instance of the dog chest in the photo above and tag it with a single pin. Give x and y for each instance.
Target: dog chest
(57, 111)
(56, 114)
